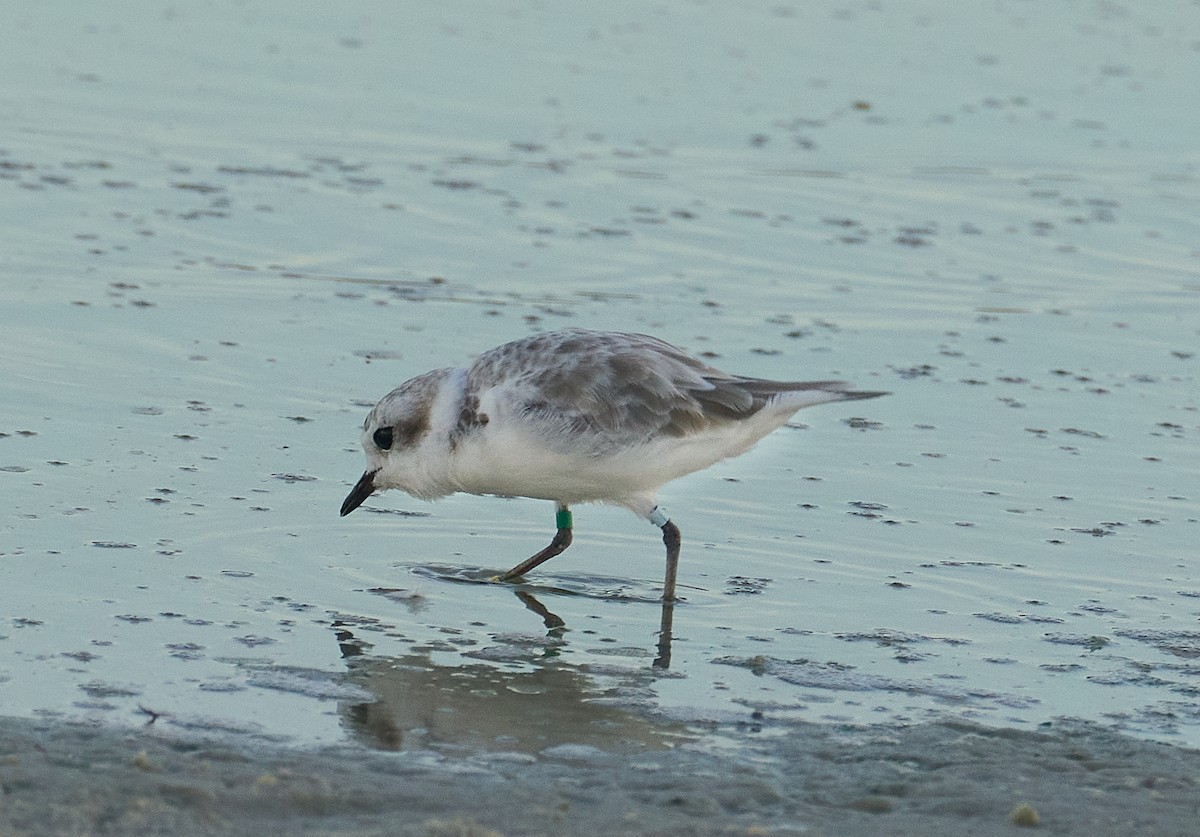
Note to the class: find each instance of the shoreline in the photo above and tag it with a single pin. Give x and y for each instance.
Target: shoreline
(947, 778)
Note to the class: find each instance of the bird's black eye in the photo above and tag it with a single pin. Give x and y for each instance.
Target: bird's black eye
(383, 438)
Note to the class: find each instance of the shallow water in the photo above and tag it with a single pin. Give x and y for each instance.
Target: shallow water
(230, 231)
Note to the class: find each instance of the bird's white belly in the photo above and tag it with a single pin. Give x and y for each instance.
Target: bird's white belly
(510, 462)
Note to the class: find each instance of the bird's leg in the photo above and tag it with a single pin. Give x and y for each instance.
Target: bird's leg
(672, 539)
(562, 539)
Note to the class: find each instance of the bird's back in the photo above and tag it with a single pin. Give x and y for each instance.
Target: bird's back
(606, 393)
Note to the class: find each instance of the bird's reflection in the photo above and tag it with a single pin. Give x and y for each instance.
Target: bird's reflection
(419, 704)
(467, 707)
(557, 627)
(553, 622)
(663, 660)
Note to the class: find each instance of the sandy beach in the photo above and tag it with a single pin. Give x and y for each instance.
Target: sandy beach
(939, 779)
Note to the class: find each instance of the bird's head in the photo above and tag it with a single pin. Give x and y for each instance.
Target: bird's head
(395, 439)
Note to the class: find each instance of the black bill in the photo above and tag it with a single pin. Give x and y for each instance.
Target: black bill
(361, 491)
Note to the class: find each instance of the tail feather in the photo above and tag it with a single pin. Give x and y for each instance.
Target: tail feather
(838, 390)
(734, 398)
(859, 394)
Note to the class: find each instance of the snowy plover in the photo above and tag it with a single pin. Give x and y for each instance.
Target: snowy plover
(574, 416)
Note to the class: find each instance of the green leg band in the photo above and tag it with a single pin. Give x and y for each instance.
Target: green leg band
(562, 519)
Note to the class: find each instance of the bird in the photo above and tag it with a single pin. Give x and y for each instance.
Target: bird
(574, 416)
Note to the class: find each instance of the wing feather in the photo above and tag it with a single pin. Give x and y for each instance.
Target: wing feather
(609, 390)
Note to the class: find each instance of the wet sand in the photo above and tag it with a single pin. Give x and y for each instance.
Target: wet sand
(937, 779)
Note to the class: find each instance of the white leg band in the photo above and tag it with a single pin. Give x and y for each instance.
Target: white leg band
(658, 518)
